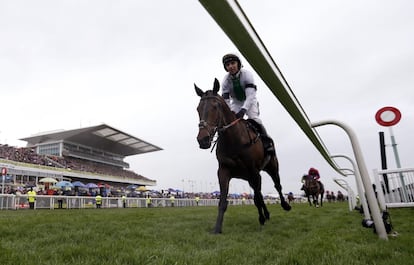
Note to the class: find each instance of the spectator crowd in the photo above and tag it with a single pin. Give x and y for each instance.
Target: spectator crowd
(28, 155)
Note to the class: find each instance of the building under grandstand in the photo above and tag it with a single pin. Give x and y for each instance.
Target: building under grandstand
(91, 155)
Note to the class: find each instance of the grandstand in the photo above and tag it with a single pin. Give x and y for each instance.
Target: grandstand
(93, 154)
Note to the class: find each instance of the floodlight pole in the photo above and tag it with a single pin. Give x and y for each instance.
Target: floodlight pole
(369, 190)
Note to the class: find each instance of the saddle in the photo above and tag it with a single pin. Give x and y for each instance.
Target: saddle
(255, 126)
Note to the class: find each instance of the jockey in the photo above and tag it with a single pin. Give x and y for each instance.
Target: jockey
(239, 92)
(314, 173)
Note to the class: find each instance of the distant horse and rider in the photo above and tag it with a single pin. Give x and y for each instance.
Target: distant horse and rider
(313, 188)
(328, 196)
(290, 197)
(240, 151)
(340, 196)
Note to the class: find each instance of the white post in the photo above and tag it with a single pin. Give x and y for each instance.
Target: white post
(372, 201)
(397, 162)
(360, 186)
(351, 202)
(380, 194)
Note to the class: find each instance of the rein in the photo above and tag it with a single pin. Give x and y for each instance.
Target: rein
(225, 127)
(219, 128)
(222, 129)
(221, 119)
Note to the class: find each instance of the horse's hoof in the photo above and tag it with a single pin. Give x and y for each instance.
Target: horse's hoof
(286, 206)
(262, 220)
(216, 230)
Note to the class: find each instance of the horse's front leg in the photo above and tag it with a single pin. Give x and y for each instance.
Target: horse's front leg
(222, 207)
(224, 180)
(309, 200)
(315, 200)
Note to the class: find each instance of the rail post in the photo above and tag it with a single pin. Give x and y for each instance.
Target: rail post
(369, 190)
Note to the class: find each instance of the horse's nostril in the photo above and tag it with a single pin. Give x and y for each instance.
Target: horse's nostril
(204, 146)
(204, 142)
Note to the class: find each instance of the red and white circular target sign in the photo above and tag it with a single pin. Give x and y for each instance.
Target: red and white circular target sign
(388, 116)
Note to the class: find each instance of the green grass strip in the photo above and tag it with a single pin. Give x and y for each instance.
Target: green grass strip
(305, 235)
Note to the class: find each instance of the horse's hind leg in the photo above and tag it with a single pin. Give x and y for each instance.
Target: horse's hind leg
(272, 169)
(258, 199)
(285, 205)
(321, 199)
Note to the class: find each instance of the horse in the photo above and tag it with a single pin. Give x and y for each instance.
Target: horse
(340, 196)
(313, 188)
(291, 197)
(239, 152)
(328, 196)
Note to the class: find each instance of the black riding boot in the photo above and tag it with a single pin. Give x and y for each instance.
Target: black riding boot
(268, 144)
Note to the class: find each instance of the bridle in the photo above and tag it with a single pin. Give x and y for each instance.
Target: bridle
(220, 125)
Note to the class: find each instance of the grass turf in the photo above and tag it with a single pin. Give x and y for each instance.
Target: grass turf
(305, 235)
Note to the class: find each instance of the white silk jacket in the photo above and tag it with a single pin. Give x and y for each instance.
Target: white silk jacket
(250, 103)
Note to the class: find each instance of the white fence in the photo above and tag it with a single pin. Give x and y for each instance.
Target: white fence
(351, 195)
(14, 202)
(395, 188)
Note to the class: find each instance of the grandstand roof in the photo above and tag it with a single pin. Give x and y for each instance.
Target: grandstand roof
(103, 137)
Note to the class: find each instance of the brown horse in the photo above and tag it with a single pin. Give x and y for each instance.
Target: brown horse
(239, 152)
(313, 188)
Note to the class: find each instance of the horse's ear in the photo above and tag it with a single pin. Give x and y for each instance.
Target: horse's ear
(216, 86)
(199, 92)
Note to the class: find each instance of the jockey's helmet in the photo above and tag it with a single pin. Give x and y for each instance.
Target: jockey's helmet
(313, 172)
(230, 57)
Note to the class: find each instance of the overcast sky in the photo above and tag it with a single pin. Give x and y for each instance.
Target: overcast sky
(132, 65)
